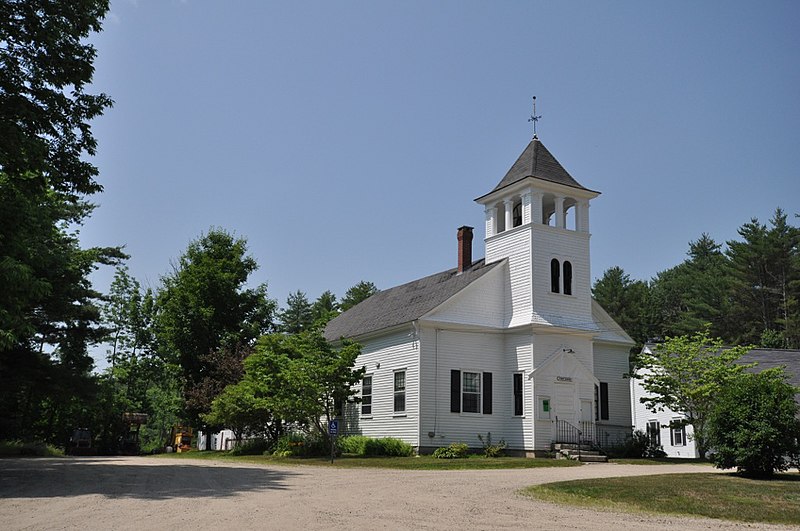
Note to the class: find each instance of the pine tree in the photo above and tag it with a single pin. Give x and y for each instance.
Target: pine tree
(360, 292)
(298, 316)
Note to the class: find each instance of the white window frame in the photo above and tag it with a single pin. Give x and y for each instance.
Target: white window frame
(678, 432)
(464, 372)
(649, 429)
(401, 392)
(370, 395)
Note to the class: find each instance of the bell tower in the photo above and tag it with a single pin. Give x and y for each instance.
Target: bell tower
(537, 217)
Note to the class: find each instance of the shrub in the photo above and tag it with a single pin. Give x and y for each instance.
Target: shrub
(454, 451)
(352, 444)
(754, 427)
(362, 445)
(389, 447)
(301, 445)
(492, 449)
(36, 449)
(637, 445)
(256, 446)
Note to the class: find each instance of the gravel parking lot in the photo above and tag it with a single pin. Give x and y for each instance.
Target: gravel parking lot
(148, 493)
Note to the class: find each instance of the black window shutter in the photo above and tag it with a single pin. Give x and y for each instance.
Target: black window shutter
(455, 391)
(671, 435)
(603, 401)
(518, 409)
(487, 393)
(596, 403)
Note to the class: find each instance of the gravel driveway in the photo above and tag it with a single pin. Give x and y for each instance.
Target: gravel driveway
(147, 493)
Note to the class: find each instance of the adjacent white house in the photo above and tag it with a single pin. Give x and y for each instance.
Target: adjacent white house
(667, 427)
(512, 344)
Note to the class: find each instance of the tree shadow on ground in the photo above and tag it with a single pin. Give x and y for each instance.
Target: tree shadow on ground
(116, 478)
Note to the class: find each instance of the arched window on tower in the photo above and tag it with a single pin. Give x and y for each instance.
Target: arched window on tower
(555, 275)
(500, 218)
(517, 214)
(567, 278)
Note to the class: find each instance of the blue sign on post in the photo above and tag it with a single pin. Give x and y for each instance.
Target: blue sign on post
(333, 431)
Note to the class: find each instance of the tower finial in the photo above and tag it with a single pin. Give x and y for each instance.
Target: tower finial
(534, 118)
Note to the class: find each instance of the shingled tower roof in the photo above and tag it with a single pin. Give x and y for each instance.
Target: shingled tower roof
(536, 161)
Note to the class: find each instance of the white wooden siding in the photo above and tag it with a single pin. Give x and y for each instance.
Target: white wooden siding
(545, 346)
(483, 303)
(519, 358)
(610, 364)
(399, 350)
(641, 415)
(562, 244)
(515, 244)
(476, 351)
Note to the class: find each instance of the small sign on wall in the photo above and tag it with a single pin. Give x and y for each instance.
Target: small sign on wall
(563, 378)
(544, 408)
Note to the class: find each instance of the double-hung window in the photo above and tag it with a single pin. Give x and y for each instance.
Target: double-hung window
(366, 395)
(654, 432)
(471, 392)
(400, 391)
(678, 432)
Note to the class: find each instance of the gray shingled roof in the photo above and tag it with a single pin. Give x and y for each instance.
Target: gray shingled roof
(769, 358)
(403, 304)
(537, 161)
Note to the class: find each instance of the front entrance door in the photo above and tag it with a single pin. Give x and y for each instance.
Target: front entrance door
(565, 402)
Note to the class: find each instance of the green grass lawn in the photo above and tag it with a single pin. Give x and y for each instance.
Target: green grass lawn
(725, 496)
(403, 463)
(659, 461)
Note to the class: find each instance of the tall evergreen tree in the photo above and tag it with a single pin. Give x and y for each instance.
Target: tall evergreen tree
(48, 310)
(324, 308)
(694, 293)
(765, 280)
(361, 291)
(298, 316)
(626, 301)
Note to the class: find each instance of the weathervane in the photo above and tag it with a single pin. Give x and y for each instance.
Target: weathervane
(534, 118)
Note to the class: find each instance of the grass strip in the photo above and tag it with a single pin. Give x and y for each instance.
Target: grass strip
(722, 496)
(401, 463)
(659, 461)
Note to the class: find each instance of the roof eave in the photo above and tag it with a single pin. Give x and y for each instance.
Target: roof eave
(584, 193)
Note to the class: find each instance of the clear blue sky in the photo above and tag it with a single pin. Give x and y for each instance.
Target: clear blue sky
(347, 140)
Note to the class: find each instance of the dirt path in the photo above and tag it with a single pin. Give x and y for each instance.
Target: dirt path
(146, 493)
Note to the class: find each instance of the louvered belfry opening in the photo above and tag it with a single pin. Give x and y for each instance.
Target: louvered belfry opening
(464, 248)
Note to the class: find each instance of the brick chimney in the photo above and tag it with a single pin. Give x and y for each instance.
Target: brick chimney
(464, 248)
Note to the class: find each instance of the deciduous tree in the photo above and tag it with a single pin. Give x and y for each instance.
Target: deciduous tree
(754, 424)
(204, 307)
(686, 374)
(303, 377)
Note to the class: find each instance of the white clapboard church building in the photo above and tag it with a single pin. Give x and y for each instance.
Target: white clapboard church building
(512, 344)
